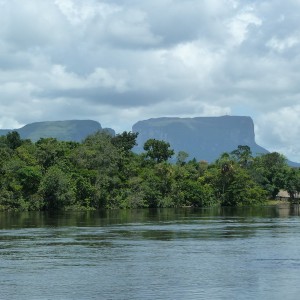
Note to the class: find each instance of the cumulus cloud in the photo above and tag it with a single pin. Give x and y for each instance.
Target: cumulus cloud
(120, 61)
(279, 130)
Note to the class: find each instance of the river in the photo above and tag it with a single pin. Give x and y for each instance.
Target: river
(220, 253)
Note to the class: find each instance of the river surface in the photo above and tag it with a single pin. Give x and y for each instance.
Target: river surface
(249, 253)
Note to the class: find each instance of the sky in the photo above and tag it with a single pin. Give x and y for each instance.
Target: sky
(121, 61)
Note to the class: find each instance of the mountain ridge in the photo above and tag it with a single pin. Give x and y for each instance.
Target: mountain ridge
(69, 130)
(203, 138)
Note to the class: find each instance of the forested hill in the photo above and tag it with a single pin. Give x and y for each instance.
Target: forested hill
(72, 130)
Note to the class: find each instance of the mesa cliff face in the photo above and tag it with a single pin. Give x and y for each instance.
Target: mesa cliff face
(204, 138)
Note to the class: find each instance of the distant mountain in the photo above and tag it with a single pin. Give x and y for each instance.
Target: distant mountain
(72, 130)
(204, 138)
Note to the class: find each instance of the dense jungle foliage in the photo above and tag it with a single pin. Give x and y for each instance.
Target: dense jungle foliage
(103, 172)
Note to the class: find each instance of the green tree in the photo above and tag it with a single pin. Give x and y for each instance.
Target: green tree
(190, 192)
(29, 177)
(11, 195)
(242, 190)
(48, 152)
(242, 155)
(158, 151)
(134, 194)
(84, 184)
(292, 182)
(269, 171)
(98, 154)
(181, 158)
(56, 189)
(156, 185)
(13, 140)
(125, 141)
(232, 183)
(226, 168)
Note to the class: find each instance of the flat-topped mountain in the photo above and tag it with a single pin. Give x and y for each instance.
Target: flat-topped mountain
(72, 130)
(204, 138)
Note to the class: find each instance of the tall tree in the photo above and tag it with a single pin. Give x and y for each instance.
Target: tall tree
(181, 158)
(292, 181)
(242, 155)
(56, 189)
(269, 171)
(125, 141)
(158, 151)
(13, 140)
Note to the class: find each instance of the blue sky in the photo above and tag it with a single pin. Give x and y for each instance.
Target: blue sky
(120, 61)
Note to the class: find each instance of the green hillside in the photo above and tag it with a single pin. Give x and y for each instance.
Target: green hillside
(71, 130)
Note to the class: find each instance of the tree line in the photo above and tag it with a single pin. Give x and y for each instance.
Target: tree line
(102, 171)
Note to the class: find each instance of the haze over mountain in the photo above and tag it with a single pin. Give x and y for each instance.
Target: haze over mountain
(72, 130)
(203, 138)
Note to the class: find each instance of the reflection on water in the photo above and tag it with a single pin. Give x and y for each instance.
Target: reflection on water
(219, 253)
(112, 217)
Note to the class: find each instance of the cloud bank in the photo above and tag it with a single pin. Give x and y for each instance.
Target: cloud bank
(120, 61)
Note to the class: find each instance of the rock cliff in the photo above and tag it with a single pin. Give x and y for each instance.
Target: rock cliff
(204, 138)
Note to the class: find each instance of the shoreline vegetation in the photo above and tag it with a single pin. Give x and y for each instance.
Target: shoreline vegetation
(102, 172)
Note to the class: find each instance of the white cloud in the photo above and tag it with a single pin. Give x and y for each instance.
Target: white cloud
(279, 131)
(60, 79)
(8, 123)
(239, 25)
(281, 45)
(77, 12)
(119, 61)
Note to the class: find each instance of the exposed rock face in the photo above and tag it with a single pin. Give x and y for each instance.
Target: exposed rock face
(204, 138)
(73, 130)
